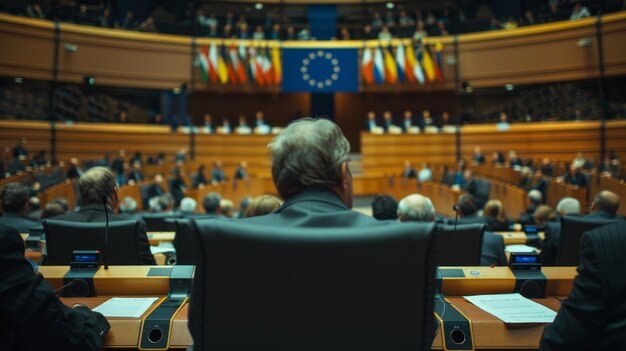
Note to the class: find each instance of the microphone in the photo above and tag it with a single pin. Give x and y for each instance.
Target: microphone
(106, 230)
(456, 209)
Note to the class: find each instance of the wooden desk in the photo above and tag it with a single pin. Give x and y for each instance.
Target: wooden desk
(125, 332)
(158, 237)
(511, 238)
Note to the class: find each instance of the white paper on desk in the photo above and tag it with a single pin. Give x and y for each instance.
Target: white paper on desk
(161, 249)
(513, 308)
(519, 248)
(125, 306)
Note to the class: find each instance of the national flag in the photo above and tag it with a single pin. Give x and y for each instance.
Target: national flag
(222, 71)
(427, 64)
(391, 70)
(408, 64)
(235, 64)
(266, 67)
(414, 63)
(254, 72)
(232, 76)
(277, 65)
(401, 62)
(243, 72)
(379, 66)
(367, 66)
(213, 63)
(204, 63)
(439, 60)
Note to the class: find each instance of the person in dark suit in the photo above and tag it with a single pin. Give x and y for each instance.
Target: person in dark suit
(575, 177)
(592, 317)
(493, 245)
(371, 123)
(478, 158)
(14, 204)
(177, 186)
(118, 163)
(535, 199)
(92, 185)
(567, 206)
(199, 179)
(496, 216)
(384, 207)
(217, 173)
(19, 150)
(605, 205)
(407, 121)
(31, 315)
(241, 173)
(387, 121)
(409, 171)
(135, 174)
(74, 170)
(317, 189)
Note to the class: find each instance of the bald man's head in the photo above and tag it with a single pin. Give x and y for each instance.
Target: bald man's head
(416, 208)
(606, 201)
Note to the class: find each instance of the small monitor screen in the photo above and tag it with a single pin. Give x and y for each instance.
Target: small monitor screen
(531, 229)
(89, 258)
(526, 259)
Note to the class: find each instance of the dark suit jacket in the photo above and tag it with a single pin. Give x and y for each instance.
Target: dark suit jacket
(95, 213)
(594, 315)
(315, 208)
(601, 215)
(19, 223)
(135, 175)
(493, 250)
(31, 315)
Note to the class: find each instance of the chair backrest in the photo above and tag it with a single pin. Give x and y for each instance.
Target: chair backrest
(278, 288)
(572, 229)
(63, 237)
(187, 243)
(160, 222)
(460, 247)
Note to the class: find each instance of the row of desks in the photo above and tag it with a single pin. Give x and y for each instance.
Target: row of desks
(488, 331)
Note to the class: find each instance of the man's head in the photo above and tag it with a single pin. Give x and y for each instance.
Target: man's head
(371, 115)
(14, 198)
(387, 115)
(211, 203)
(98, 183)
(312, 154)
(416, 208)
(407, 114)
(467, 205)
(128, 205)
(187, 205)
(568, 206)
(605, 201)
(259, 115)
(384, 207)
(535, 198)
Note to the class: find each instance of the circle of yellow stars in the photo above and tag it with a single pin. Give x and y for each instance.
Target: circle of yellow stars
(320, 83)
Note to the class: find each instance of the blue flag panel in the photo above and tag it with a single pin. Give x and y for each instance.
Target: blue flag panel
(317, 70)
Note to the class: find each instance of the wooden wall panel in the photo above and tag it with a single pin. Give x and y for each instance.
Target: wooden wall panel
(36, 133)
(27, 47)
(616, 137)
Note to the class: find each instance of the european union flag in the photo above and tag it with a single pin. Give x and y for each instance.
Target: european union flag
(320, 70)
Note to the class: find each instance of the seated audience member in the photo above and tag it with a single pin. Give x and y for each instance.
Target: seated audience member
(409, 171)
(503, 122)
(425, 174)
(567, 206)
(579, 12)
(388, 124)
(128, 206)
(605, 205)
(384, 34)
(514, 161)
(581, 162)
(135, 175)
(371, 124)
(384, 207)
(407, 121)
(416, 208)
(546, 167)
(495, 216)
(592, 317)
(227, 208)
(187, 206)
(177, 186)
(534, 199)
(52, 209)
(208, 126)
(27, 303)
(14, 198)
(262, 205)
(211, 204)
(260, 125)
(199, 179)
(575, 177)
(544, 214)
(243, 206)
(92, 185)
(19, 150)
(539, 183)
(493, 244)
(242, 126)
(498, 158)
(310, 171)
(225, 128)
(74, 170)
(34, 209)
(241, 173)
(478, 158)
(468, 210)
(217, 174)
(137, 158)
(425, 120)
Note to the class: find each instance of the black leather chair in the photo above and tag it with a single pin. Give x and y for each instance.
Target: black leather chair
(63, 237)
(277, 288)
(572, 229)
(187, 243)
(160, 222)
(460, 247)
